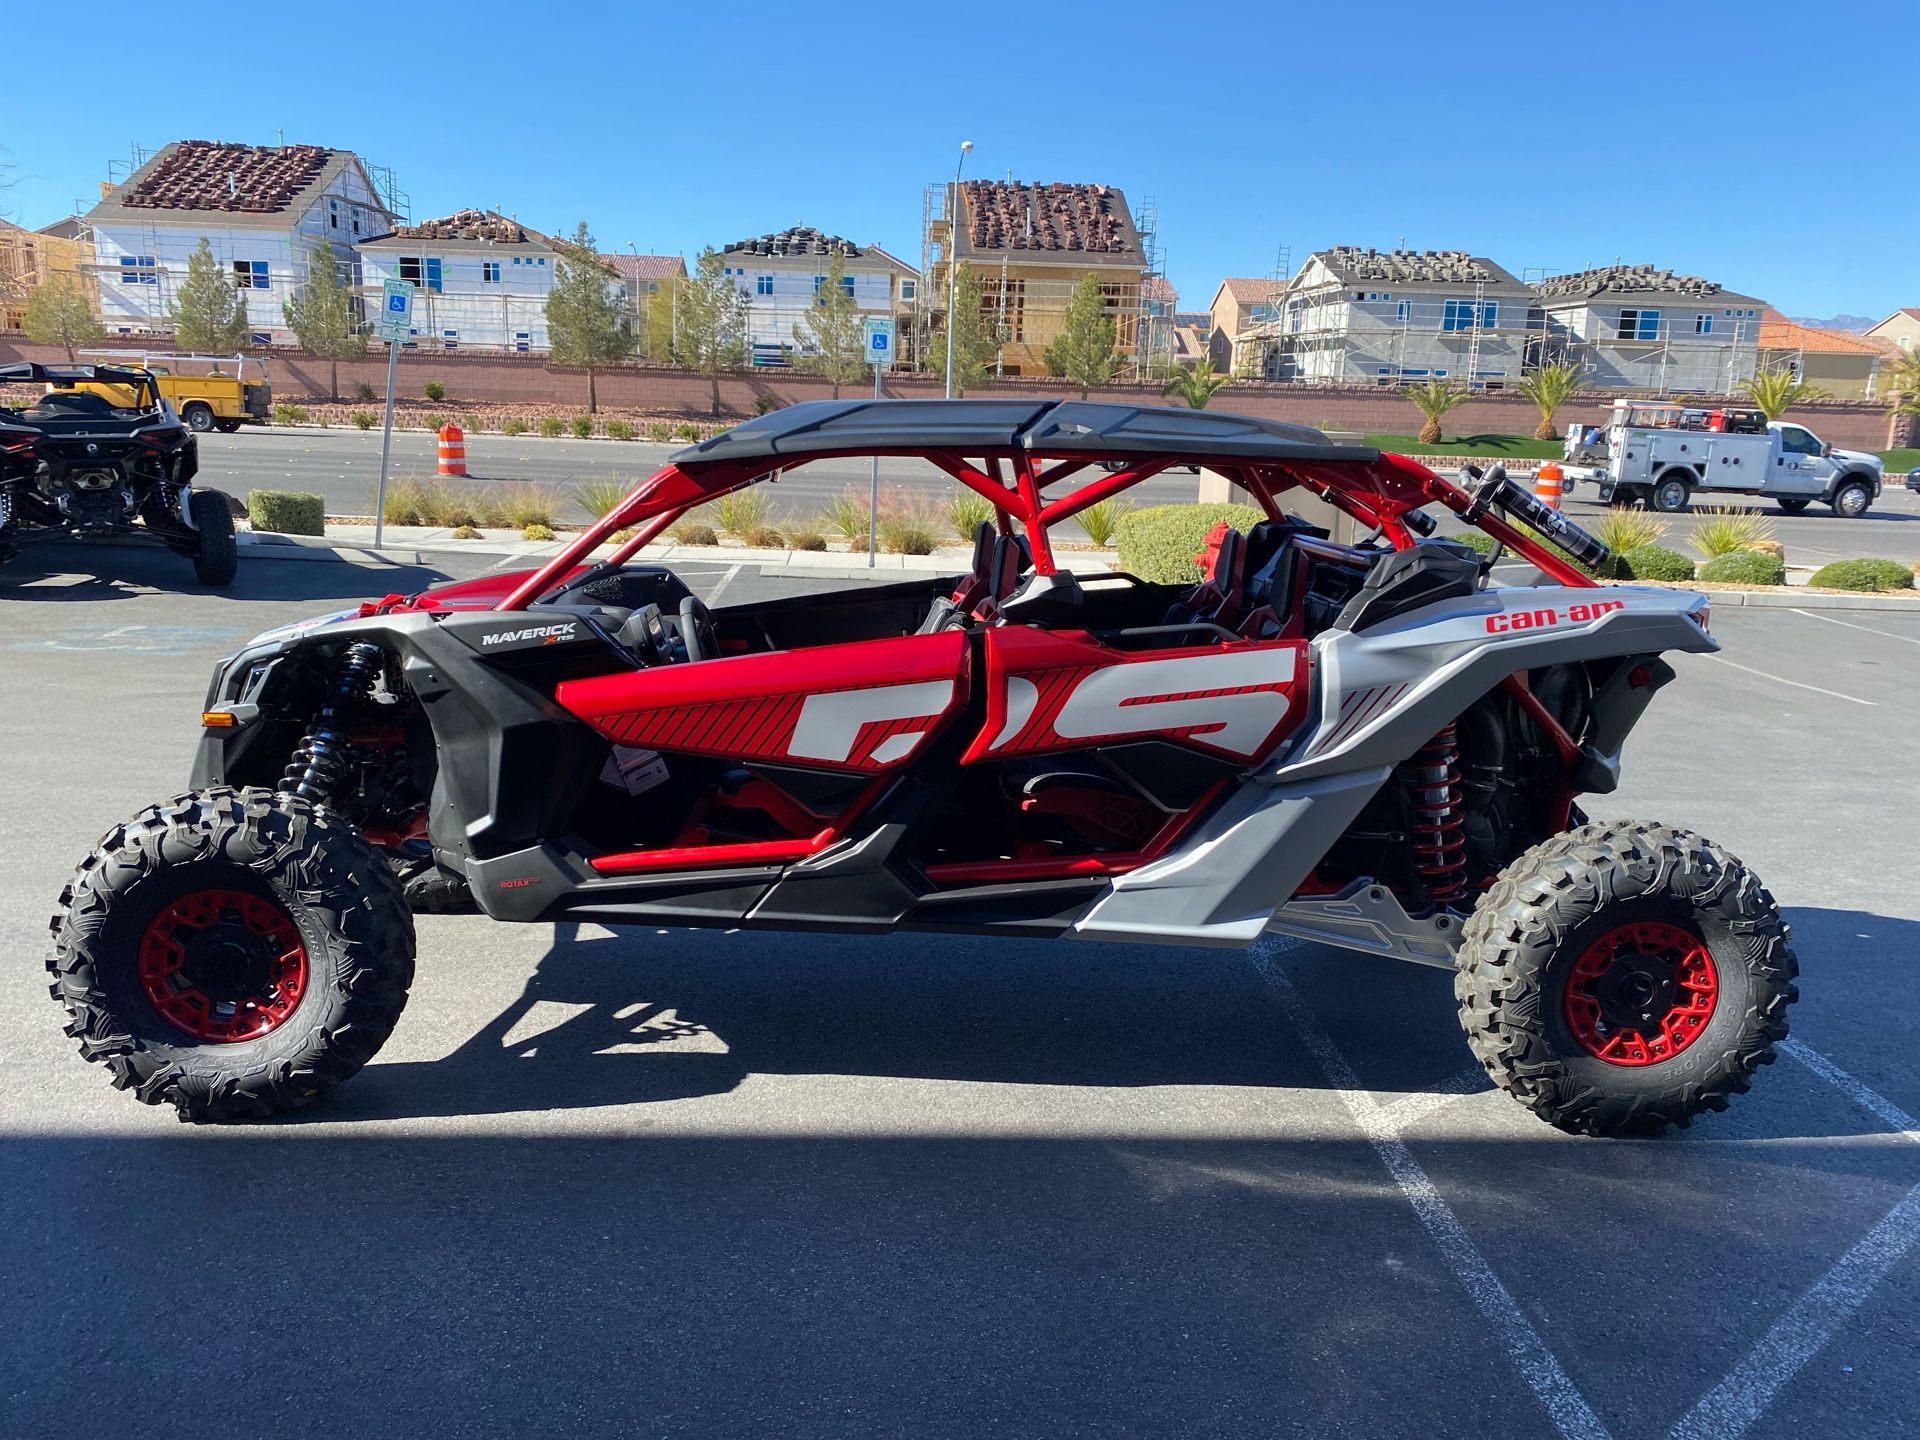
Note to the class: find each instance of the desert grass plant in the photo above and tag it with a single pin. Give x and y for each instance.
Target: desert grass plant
(552, 427)
(1622, 530)
(1723, 530)
(742, 511)
(967, 511)
(659, 432)
(909, 526)
(365, 420)
(689, 433)
(445, 504)
(804, 532)
(513, 425)
(433, 422)
(1102, 519)
(582, 427)
(847, 516)
(599, 495)
(521, 505)
(404, 502)
(619, 430)
(694, 528)
(766, 537)
(284, 414)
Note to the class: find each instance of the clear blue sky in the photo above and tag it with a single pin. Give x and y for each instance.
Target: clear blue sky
(1771, 147)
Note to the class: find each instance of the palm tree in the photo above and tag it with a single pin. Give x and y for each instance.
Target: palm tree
(1903, 384)
(1550, 387)
(1774, 392)
(1196, 383)
(1433, 399)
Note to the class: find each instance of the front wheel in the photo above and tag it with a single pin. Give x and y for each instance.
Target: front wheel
(1792, 504)
(198, 415)
(1624, 977)
(1851, 500)
(232, 953)
(216, 555)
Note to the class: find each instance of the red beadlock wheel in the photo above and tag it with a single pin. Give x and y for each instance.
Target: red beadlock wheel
(223, 965)
(1641, 993)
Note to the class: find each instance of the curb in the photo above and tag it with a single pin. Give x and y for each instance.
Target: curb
(1887, 601)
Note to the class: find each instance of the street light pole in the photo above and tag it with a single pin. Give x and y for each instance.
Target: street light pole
(953, 205)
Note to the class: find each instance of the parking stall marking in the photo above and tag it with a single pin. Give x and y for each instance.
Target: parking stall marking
(1731, 1407)
(1782, 680)
(1885, 634)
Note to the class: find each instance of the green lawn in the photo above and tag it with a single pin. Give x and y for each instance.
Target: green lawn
(1512, 447)
(1900, 461)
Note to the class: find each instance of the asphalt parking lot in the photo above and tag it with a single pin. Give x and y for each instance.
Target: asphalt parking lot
(698, 1183)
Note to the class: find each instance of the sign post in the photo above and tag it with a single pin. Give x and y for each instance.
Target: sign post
(880, 356)
(396, 326)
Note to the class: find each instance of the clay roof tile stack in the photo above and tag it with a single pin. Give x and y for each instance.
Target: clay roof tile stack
(245, 179)
(468, 225)
(798, 240)
(1627, 280)
(1090, 219)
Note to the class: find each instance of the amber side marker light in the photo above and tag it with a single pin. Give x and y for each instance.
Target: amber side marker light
(217, 719)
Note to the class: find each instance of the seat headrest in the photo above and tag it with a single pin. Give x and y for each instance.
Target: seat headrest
(983, 538)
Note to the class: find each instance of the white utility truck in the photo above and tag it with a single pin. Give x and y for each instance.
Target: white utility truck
(1663, 454)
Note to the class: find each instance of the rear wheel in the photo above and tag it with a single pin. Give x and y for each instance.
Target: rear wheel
(1624, 977)
(1792, 504)
(198, 416)
(226, 427)
(232, 953)
(1851, 500)
(1670, 494)
(216, 555)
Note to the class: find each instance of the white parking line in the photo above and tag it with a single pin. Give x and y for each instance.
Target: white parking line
(1782, 680)
(1727, 1410)
(1888, 634)
(1408, 1108)
(1565, 1406)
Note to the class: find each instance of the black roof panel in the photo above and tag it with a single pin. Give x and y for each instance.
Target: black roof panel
(1044, 427)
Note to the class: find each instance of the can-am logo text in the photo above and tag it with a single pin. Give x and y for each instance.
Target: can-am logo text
(550, 634)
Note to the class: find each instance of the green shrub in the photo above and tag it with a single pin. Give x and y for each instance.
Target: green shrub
(765, 401)
(551, 427)
(513, 425)
(765, 537)
(1474, 540)
(466, 532)
(1745, 567)
(1102, 518)
(689, 433)
(1723, 530)
(536, 531)
(696, 534)
(1863, 575)
(619, 430)
(1654, 562)
(659, 432)
(289, 512)
(365, 420)
(363, 392)
(289, 414)
(1159, 542)
(810, 540)
(470, 424)
(967, 511)
(582, 427)
(434, 391)
(433, 422)
(600, 495)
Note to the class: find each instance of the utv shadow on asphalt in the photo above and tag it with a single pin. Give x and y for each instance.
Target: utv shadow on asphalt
(129, 571)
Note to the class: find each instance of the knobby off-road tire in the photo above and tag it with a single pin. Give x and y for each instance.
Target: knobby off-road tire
(220, 894)
(1676, 914)
(216, 555)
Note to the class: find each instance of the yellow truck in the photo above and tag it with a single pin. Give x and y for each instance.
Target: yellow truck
(207, 392)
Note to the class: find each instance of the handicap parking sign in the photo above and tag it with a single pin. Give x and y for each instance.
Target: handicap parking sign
(879, 340)
(396, 313)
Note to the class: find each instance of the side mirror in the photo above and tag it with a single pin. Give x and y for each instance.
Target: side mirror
(1826, 451)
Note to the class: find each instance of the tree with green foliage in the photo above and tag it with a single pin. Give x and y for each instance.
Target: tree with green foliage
(833, 337)
(974, 344)
(656, 321)
(1195, 383)
(1901, 381)
(1433, 399)
(712, 333)
(1550, 387)
(209, 313)
(588, 327)
(324, 318)
(1774, 392)
(58, 312)
(1083, 351)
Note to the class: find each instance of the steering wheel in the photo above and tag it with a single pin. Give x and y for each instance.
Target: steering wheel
(696, 630)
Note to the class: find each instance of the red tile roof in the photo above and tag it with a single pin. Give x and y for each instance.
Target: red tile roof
(1159, 288)
(210, 175)
(641, 269)
(1090, 219)
(1252, 289)
(1777, 332)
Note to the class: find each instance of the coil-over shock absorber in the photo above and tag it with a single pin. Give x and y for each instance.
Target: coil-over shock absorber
(1438, 819)
(324, 759)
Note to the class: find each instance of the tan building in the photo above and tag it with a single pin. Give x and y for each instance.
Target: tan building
(29, 257)
(1029, 246)
(1900, 329)
(1846, 366)
(1241, 302)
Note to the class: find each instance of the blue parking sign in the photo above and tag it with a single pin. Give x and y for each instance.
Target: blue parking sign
(879, 340)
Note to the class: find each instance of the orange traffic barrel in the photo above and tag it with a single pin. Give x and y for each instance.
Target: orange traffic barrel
(453, 449)
(1546, 484)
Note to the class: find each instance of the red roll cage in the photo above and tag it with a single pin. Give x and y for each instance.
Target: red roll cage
(1377, 492)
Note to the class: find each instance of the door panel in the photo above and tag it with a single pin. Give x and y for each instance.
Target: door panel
(867, 706)
(1050, 691)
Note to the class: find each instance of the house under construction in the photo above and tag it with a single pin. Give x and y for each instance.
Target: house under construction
(1030, 245)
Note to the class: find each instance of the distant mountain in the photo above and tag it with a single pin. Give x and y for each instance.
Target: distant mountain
(1852, 324)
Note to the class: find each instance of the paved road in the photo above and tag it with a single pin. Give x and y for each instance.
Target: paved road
(696, 1183)
(344, 467)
